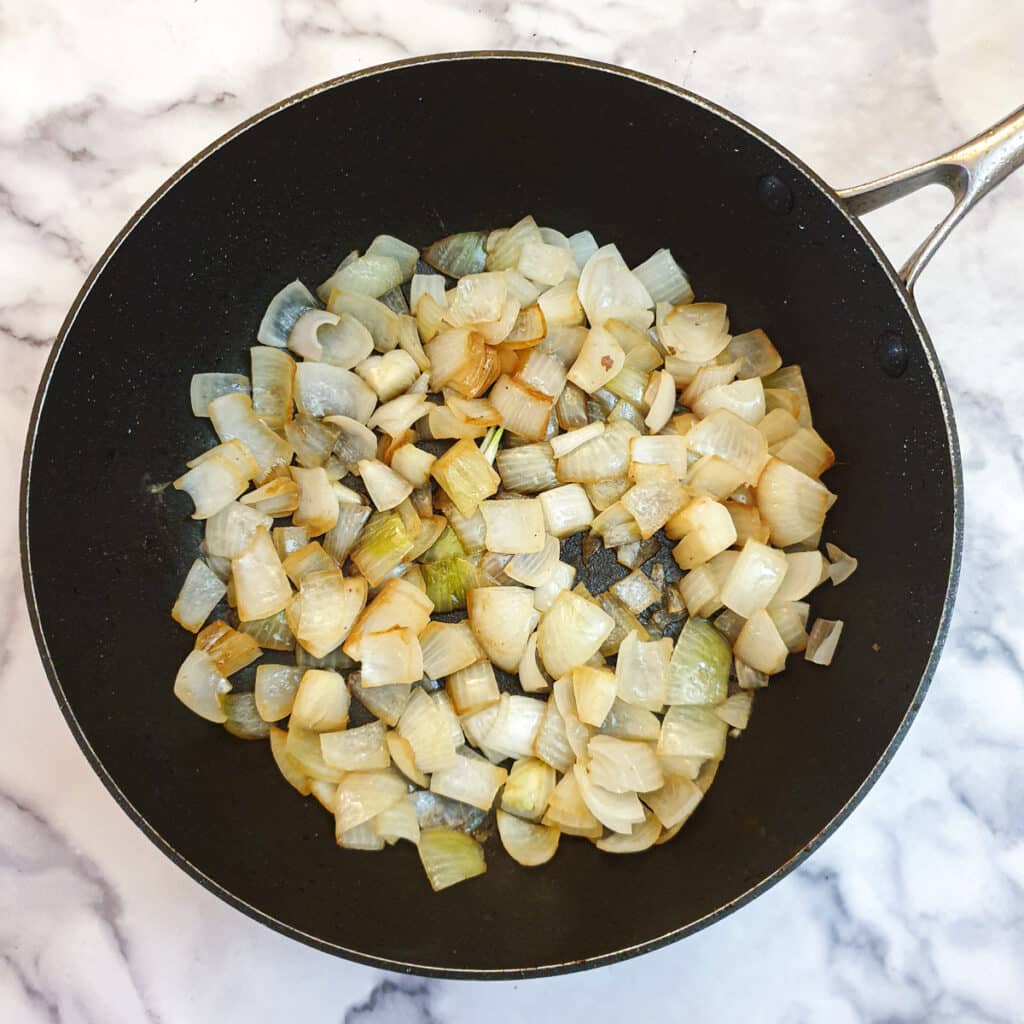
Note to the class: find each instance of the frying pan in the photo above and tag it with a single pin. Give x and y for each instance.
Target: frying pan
(420, 149)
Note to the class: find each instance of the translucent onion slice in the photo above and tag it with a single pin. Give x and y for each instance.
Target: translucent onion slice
(697, 331)
(449, 647)
(523, 410)
(791, 503)
(472, 687)
(566, 510)
(372, 274)
(321, 703)
(600, 359)
(692, 732)
(570, 633)
(641, 671)
(290, 769)
(385, 702)
(636, 591)
(325, 390)
(280, 497)
(583, 245)
(233, 418)
(754, 579)
(284, 310)
(623, 766)
(654, 503)
(330, 605)
(205, 387)
(805, 450)
(594, 692)
(641, 837)
(318, 506)
(758, 354)
(212, 485)
(476, 725)
(698, 673)
(398, 822)
(276, 686)
(791, 379)
(363, 795)
(449, 857)
(534, 569)
(384, 324)
(675, 801)
(427, 284)
(391, 656)
(561, 578)
(603, 458)
(609, 289)
(402, 755)
(232, 529)
(568, 811)
(398, 603)
(544, 263)
(474, 782)
(272, 633)
(661, 399)
(700, 592)
(514, 527)
(777, 426)
(724, 434)
(735, 710)
(515, 725)
(340, 539)
(805, 570)
(629, 722)
(527, 843)
(543, 373)
(200, 687)
(664, 279)
(527, 469)
(229, 649)
(465, 476)
(823, 640)
(457, 255)
(502, 619)
(843, 565)
(423, 725)
(451, 719)
(361, 837)
(201, 592)
(357, 750)
(707, 530)
(616, 811)
(551, 743)
(528, 788)
(273, 376)
(744, 398)
(760, 646)
(261, 586)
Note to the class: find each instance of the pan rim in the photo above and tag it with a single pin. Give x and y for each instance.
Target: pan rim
(542, 970)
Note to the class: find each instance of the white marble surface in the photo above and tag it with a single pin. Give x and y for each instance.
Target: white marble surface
(914, 911)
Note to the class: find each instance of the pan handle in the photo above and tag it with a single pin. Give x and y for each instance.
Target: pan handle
(970, 171)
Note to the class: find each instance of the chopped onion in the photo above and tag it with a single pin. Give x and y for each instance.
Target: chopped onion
(599, 360)
(843, 565)
(791, 379)
(363, 795)
(273, 376)
(284, 310)
(527, 469)
(568, 812)
(744, 398)
(566, 510)
(805, 450)
(514, 527)
(616, 811)
(758, 354)
(675, 801)
(200, 594)
(212, 484)
(692, 732)
(594, 692)
(527, 843)
(276, 686)
(504, 248)
(515, 725)
(609, 289)
(533, 568)
(286, 764)
(777, 426)
(755, 579)
(402, 754)
(636, 591)
(474, 782)
(641, 671)
(390, 375)
(805, 570)
(623, 766)
(570, 633)
(472, 687)
(384, 324)
(321, 703)
(398, 603)
(698, 673)
(457, 255)
(330, 605)
(325, 390)
(791, 503)
(357, 750)
(544, 263)
(381, 547)
(823, 640)
(583, 245)
(561, 578)
(205, 387)
(339, 540)
(398, 822)
(261, 586)
(502, 619)
(652, 504)
(272, 633)
(707, 529)
(371, 275)
(790, 623)
(423, 725)
(465, 476)
(629, 722)
(697, 331)
(318, 505)
(449, 857)
(200, 687)
(230, 531)
(760, 646)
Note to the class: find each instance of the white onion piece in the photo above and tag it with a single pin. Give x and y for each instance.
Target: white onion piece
(562, 444)
(744, 398)
(791, 503)
(654, 503)
(641, 671)
(390, 375)
(805, 570)
(363, 795)
(476, 725)
(515, 725)
(600, 359)
(623, 766)
(777, 426)
(617, 811)
(303, 746)
(791, 379)
(233, 418)
(403, 758)
(212, 484)
(304, 337)
(664, 279)
(760, 646)
(583, 245)
(344, 344)
(474, 782)
(423, 725)
(502, 619)
(577, 733)
(697, 332)
(504, 246)
(360, 837)
(284, 310)
(707, 530)
(594, 692)
(371, 275)
(531, 678)
(523, 410)
(843, 565)
(755, 579)
(629, 722)
(790, 623)
(758, 354)
(287, 765)
(202, 590)
(735, 710)
(675, 801)
(199, 686)
(571, 632)
(325, 390)
(692, 732)
(449, 857)
(205, 387)
(413, 464)
(330, 605)
(230, 531)
(321, 703)
(355, 750)
(604, 457)
(261, 586)
(514, 527)
(806, 450)
(383, 323)
(543, 373)
(662, 400)
(391, 656)
(398, 822)
(566, 510)
(447, 648)
(405, 254)
(551, 743)
(528, 788)
(636, 591)
(568, 812)
(608, 288)
(544, 263)
(472, 687)
(386, 488)
(561, 578)
(427, 284)
(823, 640)
(318, 504)
(478, 298)
(641, 837)
(527, 843)
(532, 568)
(276, 686)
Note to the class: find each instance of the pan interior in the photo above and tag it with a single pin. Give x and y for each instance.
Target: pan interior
(419, 152)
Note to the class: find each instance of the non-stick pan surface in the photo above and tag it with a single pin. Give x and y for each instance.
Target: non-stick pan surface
(419, 150)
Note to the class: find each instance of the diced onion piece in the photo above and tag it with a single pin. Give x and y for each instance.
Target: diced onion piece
(280, 497)
(398, 822)
(360, 837)
(386, 488)
(381, 547)
(371, 275)
(823, 639)
(284, 310)
(447, 581)
(791, 503)
(276, 686)
(504, 247)
(527, 843)
(402, 755)
(330, 604)
(744, 398)
(199, 595)
(698, 673)
(724, 434)
(414, 464)
(755, 579)
(427, 284)
(605, 493)
(617, 811)
(325, 390)
(697, 331)
(664, 279)
(398, 603)
(707, 530)
(604, 457)
(561, 578)
(448, 647)
(636, 591)
(357, 750)
(423, 725)
(230, 531)
(383, 323)
(312, 439)
(205, 387)
(583, 245)
(233, 418)
(623, 766)
(339, 540)
(451, 719)
(594, 692)
(531, 678)
(318, 505)
(609, 289)
(662, 391)
(229, 649)
(843, 565)
(514, 527)
(562, 444)
(805, 450)
(529, 328)
(532, 568)
(272, 633)
(472, 687)
(758, 354)
(449, 857)
(570, 633)
(287, 765)
(515, 725)
(474, 782)
(600, 359)
(200, 687)
(385, 702)
(566, 510)
(476, 725)
(321, 702)
(502, 619)
(363, 795)
(303, 746)
(805, 570)
(715, 477)
(551, 743)
(692, 732)
(542, 373)
(790, 379)
(212, 484)
(465, 476)
(457, 255)
(528, 788)
(777, 426)
(652, 504)
(568, 812)
(545, 264)
(641, 837)
(273, 376)
(760, 646)
(389, 375)
(261, 586)
(675, 801)
(524, 411)
(478, 298)
(629, 722)
(641, 671)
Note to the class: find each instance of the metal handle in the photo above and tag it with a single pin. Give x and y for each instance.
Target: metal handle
(969, 172)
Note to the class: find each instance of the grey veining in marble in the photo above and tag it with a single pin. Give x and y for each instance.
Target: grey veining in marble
(914, 911)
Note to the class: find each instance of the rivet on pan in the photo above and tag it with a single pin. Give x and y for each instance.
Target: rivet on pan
(893, 354)
(775, 195)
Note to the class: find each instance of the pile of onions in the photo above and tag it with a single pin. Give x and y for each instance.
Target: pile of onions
(383, 524)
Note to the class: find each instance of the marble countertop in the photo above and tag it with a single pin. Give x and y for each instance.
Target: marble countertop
(914, 910)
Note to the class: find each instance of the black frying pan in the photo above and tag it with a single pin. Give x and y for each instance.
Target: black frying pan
(420, 149)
